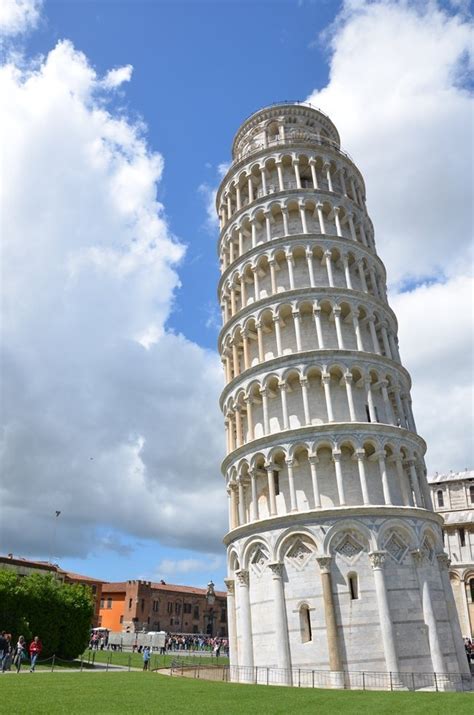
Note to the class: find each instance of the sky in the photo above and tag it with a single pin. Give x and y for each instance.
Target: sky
(116, 125)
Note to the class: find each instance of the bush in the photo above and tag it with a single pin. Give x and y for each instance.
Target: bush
(40, 605)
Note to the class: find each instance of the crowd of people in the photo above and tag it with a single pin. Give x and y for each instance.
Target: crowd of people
(177, 642)
(469, 647)
(15, 655)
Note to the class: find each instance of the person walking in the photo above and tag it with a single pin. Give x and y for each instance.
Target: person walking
(7, 653)
(146, 657)
(35, 649)
(20, 653)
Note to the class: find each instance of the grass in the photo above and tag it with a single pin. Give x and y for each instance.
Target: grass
(157, 661)
(145, 693)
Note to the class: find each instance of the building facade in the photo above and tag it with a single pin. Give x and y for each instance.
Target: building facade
(335, 556)
(453, 498)
(145, 606)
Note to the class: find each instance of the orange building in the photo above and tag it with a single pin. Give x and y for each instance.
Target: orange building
(143, 605)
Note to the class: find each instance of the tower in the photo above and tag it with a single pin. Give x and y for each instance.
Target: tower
(335, 557)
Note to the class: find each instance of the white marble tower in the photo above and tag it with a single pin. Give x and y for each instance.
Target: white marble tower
(335, 557)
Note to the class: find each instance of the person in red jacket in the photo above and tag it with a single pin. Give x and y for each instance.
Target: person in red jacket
(35, 649)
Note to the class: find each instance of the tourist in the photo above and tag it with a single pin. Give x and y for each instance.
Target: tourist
(20, 653)
(7, 653)
(146, 657)
(3, 644)
(35, 649)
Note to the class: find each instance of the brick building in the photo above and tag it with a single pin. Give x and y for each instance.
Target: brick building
(143, 605)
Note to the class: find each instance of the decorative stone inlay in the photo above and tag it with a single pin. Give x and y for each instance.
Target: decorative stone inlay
(427, 550)
(259, 560)
(230, 585)
(396, 547)
(377, 559)
(299, 553)
(242, 577)
(349, 548)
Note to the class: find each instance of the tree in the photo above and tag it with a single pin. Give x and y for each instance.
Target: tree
(41, 605)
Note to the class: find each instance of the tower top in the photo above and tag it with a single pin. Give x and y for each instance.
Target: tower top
(281, 123)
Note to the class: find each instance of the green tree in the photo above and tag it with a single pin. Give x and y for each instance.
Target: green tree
(40, 605)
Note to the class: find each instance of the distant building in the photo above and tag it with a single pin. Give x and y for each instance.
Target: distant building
(26, 567)
(143, 605)
(453, 498)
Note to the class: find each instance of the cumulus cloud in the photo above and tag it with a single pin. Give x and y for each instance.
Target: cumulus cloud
(19, 16)
(170, 568)
(397, 92)
(116, 77)
(106, 415)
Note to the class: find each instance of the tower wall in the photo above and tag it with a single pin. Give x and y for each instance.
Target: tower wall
(335, 557)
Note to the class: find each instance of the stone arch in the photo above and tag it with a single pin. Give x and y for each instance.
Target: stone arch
(251, 549)
(289, 538)
(349, 527)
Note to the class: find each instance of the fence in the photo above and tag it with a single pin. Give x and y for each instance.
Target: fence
(305, 678)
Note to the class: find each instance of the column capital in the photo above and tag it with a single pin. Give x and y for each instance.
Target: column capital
(242, 577)
(303, 380)
(230, 585)
(309, 252)
(283, 386)
(324, 563)
(377, 559)
(336, 310)
(327, 254)
(263, 390)
(325, 378)
(276, 567)
(348, 378)
(327, 165)
(336, 455)
(443, 560)
(319, 206)
(336, 209)
(290, 461)
(359, 453)
(313, 459)
(417, 556)
(270, 466)
(311, 160)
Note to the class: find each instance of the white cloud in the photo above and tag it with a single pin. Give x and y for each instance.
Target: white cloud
(18, 16)
(106, 415)
(172, 568)
(116, 77)
(397, 94)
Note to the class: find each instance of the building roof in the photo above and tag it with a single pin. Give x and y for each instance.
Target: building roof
(452, 518)
(80, 577)
(121, 586)
(451, 476)
(19, 561)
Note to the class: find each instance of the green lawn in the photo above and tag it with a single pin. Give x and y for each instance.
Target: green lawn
(142, 693)
(158, 661)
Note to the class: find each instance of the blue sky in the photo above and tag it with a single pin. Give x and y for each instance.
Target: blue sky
(200, 68)
(125, 440)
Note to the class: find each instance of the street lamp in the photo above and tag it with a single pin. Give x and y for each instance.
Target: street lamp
(210, 598)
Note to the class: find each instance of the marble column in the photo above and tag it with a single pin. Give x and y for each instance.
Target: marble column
(443, 564)
(231, 621)
(423, 572)
(377, 560)
(282, 644)
(245, 623)
(335, 660)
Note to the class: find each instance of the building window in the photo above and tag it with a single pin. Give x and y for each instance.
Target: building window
(143, 604)
(223, 615)
(471, 588)
(276, 479)
(170, 607)
(305, 624)
(177, 608)
(471, 494)
(121, 619)
(353, 583)
(462, 537)
(196, 613)
(187, 608)
(156, 606)
(156, 625)
(440, 497)
(129, 603)
(102, 602)
(109, 603)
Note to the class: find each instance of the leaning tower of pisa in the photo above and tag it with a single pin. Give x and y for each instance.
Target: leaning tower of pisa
(335, 557)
